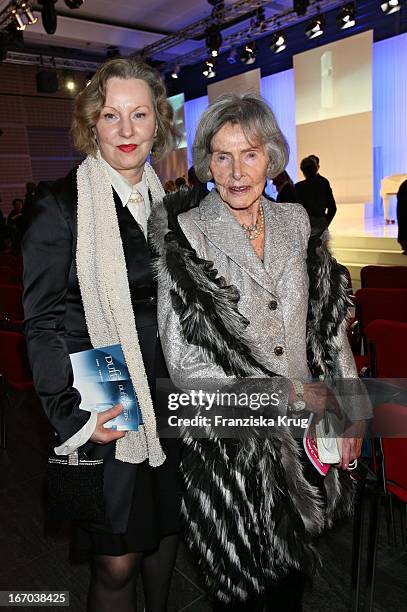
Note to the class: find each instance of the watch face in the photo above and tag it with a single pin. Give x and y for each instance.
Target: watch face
(299, 406)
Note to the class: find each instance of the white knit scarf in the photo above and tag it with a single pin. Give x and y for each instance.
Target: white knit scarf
(106, 296)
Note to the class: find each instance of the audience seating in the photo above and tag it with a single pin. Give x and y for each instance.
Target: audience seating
(372, 304)
(9, 276)
(387, 341)
(391, 277)
(15, 373)
(11, 302)
(12, 261)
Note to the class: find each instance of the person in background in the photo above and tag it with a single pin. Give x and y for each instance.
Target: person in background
(30, 191)
(285, 187)
(180, 183)
(193, 181)
(169, 187)
(15, 224)
(402, 216)
(14, 216)
(88, 283)
(315, 194)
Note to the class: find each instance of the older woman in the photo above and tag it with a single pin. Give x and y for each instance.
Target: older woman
(88, 283)
(244, 292)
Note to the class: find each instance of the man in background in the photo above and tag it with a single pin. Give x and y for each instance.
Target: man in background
(315, 193)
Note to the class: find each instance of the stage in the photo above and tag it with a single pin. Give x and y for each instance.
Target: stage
(359, 239)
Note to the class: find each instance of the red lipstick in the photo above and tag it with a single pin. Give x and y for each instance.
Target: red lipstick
(129, 148)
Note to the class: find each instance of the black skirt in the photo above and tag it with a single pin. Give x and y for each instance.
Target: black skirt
(154, 514)
(155, 510)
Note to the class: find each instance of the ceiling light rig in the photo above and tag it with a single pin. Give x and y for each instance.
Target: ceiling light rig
(20, 25)
(248, 55)
(278, 42)
(300, 7)
(208, 69)
(218, 11)
(175, 72)
(213, 40)
(392, 6)
(346, 16)
(315, 27)
(22, 15)
(48, 15)
(29, 17)
(74, 4)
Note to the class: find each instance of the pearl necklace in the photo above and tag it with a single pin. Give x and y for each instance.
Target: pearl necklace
(253, 231)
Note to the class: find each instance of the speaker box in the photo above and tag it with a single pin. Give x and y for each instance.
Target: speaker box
(47, 81)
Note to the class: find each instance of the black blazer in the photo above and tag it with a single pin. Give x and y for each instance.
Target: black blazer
(315, 194)
(55, 322)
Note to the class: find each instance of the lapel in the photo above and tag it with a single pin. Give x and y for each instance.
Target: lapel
(278, 242)
(222, 229)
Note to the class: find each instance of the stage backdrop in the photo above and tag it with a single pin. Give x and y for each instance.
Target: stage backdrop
(333, 92)
(248, 81)
(175, 164)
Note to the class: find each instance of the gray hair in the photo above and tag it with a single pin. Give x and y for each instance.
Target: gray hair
(257, 121)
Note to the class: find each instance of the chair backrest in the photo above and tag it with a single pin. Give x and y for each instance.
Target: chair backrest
(387, 341)
(14, 364)
(9, 276)
(392, 277)
(11, 301)
(391, 421)
(372, 304)
(11, 261)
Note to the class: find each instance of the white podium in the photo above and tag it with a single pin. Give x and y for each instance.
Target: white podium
(390, 186)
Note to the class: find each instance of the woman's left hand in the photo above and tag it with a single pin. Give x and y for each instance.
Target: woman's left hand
(352, 446)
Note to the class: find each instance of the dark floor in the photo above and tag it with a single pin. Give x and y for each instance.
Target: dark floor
(31, 559)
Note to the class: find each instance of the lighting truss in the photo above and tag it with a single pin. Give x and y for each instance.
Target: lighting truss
(270, 25)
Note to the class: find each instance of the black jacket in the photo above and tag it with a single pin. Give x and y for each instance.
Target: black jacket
(55, 321)
(315, 194)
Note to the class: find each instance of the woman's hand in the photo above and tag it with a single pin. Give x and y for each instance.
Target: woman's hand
(352, 446)
(103, 435)
(318, 398)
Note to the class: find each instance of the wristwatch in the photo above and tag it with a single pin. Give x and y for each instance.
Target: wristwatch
(299, 405)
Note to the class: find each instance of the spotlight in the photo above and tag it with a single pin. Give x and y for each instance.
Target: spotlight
(69, 81)
(48, 16)
(176, 71)
(346, 16)
(315, 27)
(74, 4)
(232, 57)
(248, 55)
(300, 7)
(392, 6)
(208, 69)
(20, 25)
(213, 40)
(28, 14)
(88, 78)
(278, 42)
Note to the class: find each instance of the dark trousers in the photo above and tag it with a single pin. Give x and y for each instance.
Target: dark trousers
(282, 596)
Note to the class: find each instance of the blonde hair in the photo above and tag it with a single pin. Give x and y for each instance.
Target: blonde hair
(90, 101)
